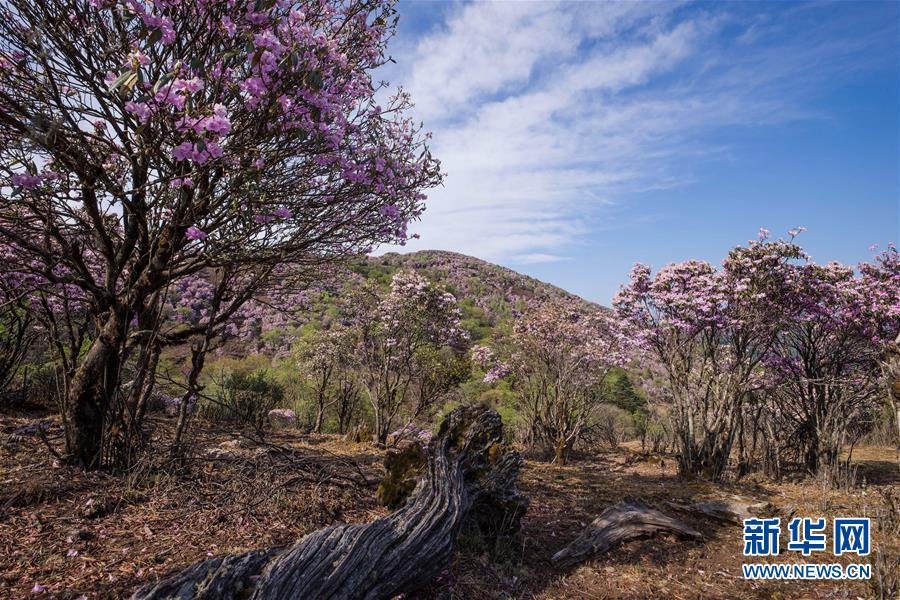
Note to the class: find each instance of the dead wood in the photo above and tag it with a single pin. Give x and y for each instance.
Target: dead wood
(399, 553)
(619, 524)
(729, 511)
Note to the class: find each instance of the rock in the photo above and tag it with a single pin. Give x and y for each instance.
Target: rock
(282, 418)
(409, 434)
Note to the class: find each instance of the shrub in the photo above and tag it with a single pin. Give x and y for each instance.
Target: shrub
(43, 385)
(611, 425)
(245, 399)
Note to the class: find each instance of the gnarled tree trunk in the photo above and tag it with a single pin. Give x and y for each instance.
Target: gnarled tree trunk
(392, 555)
(89, 394)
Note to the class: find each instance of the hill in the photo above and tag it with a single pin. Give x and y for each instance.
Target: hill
(489, 295)
(490, 298)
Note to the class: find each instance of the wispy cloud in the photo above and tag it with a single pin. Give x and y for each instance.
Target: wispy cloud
(546, 113)
(537, 258)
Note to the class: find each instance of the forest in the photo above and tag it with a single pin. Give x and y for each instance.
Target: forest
(212, 385)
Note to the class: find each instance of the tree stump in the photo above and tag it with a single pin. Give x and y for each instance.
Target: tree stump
(617, 525)
(399, 553)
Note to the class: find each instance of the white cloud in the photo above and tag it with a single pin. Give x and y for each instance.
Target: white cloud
(537, 258)
(544, 113)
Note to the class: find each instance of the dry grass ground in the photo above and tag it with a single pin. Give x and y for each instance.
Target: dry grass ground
(99, 536)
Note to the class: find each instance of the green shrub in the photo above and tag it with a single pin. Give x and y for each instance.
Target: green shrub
(245, 399)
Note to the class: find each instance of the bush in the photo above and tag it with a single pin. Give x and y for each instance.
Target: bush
(245, 399)
(659, 433)
(43, 385)
(610, 425)
(504, 402)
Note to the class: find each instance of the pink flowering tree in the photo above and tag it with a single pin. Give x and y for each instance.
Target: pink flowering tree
(561, 357)
(403, 339)
(324, 359)
(267, 322)
(56, 316)
(17, 332)
(825, 362)
(710, 330)
(882, 278)
(168, 138)
(494, 368)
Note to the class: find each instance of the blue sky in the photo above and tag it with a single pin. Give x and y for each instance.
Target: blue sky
(581, 137)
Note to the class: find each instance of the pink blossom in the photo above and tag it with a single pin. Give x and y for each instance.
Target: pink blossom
(195, 234)
(139, 57)
(214, 150)
(140, 109)
(254, 86)
(183, 151)
(229, 26)
(257, 18)
(188, 85)
(26, 181)
(217, 124)
(178, 182)
(199, 156)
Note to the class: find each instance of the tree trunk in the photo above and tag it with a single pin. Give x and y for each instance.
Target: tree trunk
(393, 555)
(89, 393)
(320, 416)
(729, 511)
(561, 451)
(379, 435)
(710, 458)
(198, 358)
(146, 390)
(827, 458)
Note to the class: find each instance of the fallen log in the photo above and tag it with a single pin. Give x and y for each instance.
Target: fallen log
(467, 467)
(729, 511)
(619, 524)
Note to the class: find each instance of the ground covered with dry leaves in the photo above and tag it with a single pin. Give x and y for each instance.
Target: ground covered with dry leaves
(65, 534)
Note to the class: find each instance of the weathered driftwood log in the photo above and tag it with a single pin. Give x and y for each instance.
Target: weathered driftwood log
(616, 525)
(729, 511)
(398, 553)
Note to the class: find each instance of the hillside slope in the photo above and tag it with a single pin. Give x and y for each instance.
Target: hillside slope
(489, 295)
(490, 298)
